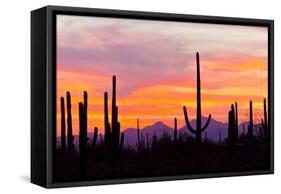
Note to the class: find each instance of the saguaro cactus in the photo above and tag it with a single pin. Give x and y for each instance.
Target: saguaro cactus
(82, 128)
(82, 138)
(112, 132)
(250, 127)
(106, 122)
(85, 107)
(232, 135)
(70, 138)
(198, 130)
(175, 130)
(236, 120)
(233, 125)
(63, 142)
(138, 133)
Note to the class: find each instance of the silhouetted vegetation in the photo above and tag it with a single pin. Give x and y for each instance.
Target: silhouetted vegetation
(198, 130)
(105, 156)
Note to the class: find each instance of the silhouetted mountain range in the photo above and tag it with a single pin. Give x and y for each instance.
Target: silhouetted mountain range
(159, 128)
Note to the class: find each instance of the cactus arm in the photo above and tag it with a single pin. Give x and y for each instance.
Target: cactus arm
(207, 123)
(187, 121)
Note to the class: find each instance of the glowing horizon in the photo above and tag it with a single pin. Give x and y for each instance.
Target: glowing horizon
(154, 62)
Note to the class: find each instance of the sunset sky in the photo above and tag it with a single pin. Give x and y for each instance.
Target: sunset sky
(155, 66)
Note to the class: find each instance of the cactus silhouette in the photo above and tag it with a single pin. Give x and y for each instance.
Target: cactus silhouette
(83, 133)
(95, 137)
(250, 127)
(232, 126)
(70, 138)
(112, 132)
(106, 122)
(83, 122)
(198, 130)
(63, 143)
(138, 134)
(82, 128)
(85, 107)
(236, 120)
(175, 130)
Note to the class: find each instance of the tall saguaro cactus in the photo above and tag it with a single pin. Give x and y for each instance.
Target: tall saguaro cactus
(63, 142)
(115, 125)
(106, 121)
(85, 107)
(82, 138)
(83, 132)
(233, 126)
(175, 130)
(138, 133)
(198, 130)
(250, 127)
(70, 138)
(236, 120)
(112, 132)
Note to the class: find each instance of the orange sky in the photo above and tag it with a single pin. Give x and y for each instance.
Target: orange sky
(155, 68)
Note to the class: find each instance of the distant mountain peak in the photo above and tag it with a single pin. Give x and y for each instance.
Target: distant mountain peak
(159, 123)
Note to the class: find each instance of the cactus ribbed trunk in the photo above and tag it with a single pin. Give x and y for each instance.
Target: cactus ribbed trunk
(70, 138)
(265, 112)
(198, 110)
(198, 131)
(85, 107)
(63, 142)
(82, 136)
(236, 121)
(138, 133)
(114, 112)
(250, 127)
(232, 139)
(264, 120)
(175, 130)
(106, 122)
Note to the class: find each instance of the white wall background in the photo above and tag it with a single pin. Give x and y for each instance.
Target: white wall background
(15, 95)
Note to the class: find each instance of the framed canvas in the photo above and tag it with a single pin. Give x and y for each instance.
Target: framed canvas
(126, 96)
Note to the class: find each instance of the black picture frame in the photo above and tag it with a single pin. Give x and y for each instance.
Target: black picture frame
(43, 87)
